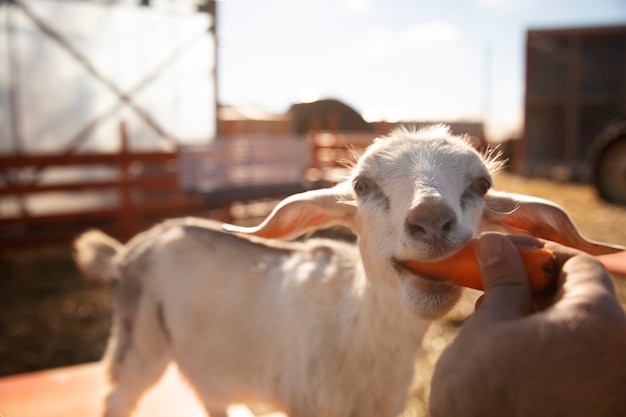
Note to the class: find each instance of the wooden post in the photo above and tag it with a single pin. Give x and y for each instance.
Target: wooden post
(127, 218)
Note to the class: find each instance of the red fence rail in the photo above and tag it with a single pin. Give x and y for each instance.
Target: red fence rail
(138, 189)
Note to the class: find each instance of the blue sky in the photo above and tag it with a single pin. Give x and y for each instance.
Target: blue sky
(393, 59)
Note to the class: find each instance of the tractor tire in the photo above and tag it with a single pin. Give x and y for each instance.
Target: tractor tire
(609, 169)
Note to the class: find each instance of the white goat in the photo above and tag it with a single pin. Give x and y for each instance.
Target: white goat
(313, 328)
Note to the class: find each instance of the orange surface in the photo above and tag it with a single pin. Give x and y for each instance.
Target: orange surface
(615, 262)
(78, 391)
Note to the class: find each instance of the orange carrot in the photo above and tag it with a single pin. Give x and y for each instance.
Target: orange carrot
(462, 267)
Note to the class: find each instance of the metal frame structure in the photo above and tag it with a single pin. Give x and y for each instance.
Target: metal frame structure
(124, 98)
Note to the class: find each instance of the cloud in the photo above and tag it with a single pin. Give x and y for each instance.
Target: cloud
(359, 5)
(351, 5)
(431, 34)
(497, 3)
(508, 5)
(383, 42)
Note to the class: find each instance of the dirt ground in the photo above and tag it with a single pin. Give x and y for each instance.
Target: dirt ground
(50, 317)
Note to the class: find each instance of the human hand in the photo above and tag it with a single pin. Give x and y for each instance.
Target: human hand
(566, 360)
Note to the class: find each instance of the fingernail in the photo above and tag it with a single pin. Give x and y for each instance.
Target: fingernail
(490, 250)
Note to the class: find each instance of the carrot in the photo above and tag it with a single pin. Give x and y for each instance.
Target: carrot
(462, 267)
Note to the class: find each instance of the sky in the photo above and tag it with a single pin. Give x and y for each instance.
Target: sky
(392, 59)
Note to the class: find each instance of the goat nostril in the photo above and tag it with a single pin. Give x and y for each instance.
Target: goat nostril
(417, 230)
(448, 226)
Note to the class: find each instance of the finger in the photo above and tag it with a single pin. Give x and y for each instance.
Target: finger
(479, 302)
(582, 279)
(562, 252)
(507, 289)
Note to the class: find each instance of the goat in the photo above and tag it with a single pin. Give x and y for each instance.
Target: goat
(314, 327)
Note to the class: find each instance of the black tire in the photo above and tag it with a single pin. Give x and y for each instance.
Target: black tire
(609, 169)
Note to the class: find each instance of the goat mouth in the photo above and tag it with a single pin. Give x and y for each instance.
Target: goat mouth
(402, 267)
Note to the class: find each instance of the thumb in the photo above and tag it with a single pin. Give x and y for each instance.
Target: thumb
(504, 276)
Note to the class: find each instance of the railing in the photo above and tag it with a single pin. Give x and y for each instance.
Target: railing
(123, 193)
(130, 191)
(332, 153)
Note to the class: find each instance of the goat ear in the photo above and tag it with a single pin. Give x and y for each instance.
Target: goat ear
(304, 212)
(544, 219)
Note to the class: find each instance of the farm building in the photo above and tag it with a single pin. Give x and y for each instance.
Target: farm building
(575, 88)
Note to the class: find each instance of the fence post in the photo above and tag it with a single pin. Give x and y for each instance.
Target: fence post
(127, 215)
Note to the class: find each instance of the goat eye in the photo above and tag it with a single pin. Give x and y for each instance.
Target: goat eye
(481, 186)
(363, 186)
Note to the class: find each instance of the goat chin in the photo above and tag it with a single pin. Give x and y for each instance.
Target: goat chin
(314, 327)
